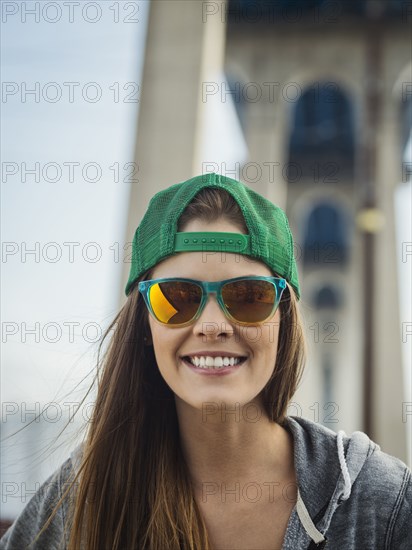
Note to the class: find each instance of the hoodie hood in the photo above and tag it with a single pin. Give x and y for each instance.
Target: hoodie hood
(327, 465)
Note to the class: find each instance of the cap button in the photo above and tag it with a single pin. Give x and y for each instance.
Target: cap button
(212, 240)
(186, 241)
(195, 240)
(222, 240)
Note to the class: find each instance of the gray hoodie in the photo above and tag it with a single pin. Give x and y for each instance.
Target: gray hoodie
(351, 495)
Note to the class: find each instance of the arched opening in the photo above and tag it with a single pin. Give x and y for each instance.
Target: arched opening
(322, 143)
(325, 242)
(327, 297)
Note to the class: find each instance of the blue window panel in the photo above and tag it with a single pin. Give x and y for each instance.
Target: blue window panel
(325, 240)
(323, 138)
(327, 297)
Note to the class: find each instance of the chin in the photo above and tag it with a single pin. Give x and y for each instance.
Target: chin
(227, 406)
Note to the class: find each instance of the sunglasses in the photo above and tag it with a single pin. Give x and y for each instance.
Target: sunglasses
(177, 302)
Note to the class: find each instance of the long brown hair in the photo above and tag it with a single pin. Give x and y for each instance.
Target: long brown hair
(133, 486)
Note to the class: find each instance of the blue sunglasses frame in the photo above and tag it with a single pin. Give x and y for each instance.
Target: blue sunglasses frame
(209, 288)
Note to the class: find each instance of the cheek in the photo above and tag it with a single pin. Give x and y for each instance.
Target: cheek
(159, 340)
(161, 352)
(268, 335)
(165, 345)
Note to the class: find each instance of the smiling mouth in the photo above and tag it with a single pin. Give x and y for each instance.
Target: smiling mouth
(214, 363)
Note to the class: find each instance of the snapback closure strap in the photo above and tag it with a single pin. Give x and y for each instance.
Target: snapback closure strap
(199, 241)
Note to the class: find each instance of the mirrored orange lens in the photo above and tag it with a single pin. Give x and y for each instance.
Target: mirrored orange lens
(175, 302)
(249, 301)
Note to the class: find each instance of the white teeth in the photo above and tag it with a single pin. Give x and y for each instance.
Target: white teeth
(214, 362)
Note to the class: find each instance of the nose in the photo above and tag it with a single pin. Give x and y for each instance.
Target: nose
(213, 321)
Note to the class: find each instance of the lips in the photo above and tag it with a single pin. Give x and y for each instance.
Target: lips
(214, 370)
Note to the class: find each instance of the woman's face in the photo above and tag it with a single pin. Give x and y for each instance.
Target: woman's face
(213, 331)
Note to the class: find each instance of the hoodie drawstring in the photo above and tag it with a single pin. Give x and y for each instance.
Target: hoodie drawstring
(343, 466)
(307, 522)
(319, 540)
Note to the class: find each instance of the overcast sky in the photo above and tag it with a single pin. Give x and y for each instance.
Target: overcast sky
(76, 132)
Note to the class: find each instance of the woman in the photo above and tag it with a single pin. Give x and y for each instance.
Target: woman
(190, 446)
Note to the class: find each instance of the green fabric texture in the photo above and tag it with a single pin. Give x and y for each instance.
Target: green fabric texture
(271, 240)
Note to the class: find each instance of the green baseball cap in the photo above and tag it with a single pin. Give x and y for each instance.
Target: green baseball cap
(269, 239)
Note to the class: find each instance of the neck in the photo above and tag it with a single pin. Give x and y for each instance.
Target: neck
(233, 445)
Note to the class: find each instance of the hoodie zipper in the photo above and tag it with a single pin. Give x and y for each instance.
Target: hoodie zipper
(319, 515)
(313, 545)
